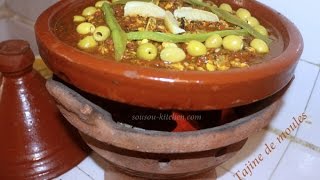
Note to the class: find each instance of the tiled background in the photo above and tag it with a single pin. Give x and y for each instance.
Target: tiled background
(296, 158)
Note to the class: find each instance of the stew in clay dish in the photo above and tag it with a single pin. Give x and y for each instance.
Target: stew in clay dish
(179, 54)
(177, 34)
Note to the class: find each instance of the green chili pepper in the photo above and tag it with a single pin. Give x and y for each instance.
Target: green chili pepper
(119, 37)
(231, 19)
(125, 1)
(175, 38)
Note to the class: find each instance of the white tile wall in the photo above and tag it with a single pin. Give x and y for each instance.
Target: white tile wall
(12, 28)
(29, 8)
(290, 108)
(223, 174)
(310, 131)
(298, 163)
(305, 16)
(74, 174)
(93, 166)
(17, 18)
(252, 149)
(4, 12)
(3, 29)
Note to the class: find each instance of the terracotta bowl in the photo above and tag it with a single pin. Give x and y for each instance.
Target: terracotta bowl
(165, 89)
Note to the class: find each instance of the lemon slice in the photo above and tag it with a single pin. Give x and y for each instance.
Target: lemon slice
(172, 24)
(195, 14)
(144, 9)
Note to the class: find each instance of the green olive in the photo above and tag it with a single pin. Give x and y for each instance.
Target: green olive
(226, 7)
(168, 44)
(243, 14)
(100, 3)
(85, 28)
(89, 11)
(252, 21)
(78, 19)
(101, 33)
(172, 54)
(210, 67)
(196, 48)
(232, 43)
(87, 43)
(147, 51)
(262, 30)
(214, 41)
(260, 46)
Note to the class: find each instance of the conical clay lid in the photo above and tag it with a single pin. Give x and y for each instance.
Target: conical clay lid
(36, 142)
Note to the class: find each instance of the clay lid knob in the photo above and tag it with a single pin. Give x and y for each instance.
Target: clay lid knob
(15, 56)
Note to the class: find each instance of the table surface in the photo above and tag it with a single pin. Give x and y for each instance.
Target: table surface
(297, 156)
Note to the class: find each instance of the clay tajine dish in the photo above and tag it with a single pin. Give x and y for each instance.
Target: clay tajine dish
(165, 89)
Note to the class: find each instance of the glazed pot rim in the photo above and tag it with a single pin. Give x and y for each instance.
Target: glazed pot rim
(295, 45)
